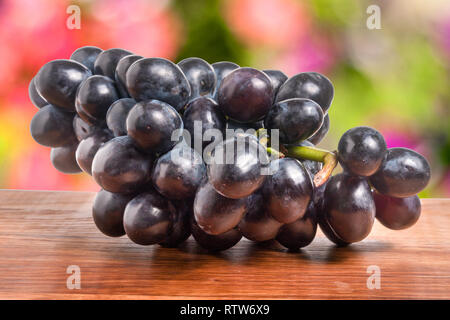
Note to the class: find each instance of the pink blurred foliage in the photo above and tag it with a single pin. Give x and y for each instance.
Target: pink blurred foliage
(443, 35)
(311, 53)
(145, 27)
(276, 23)
(286, 27)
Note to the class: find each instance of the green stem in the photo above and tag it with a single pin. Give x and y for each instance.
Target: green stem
(328, 158)
(274, 152)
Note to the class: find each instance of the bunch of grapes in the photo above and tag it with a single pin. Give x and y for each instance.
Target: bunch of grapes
(133, 124)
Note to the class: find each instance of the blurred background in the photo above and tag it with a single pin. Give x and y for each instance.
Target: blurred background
(395, 79)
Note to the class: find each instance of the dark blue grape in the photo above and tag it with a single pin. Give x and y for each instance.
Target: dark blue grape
(154, 125)
(63, 158)
(181, 224)
(257, 224)
(403, 173)
(35, 96)
(296, 119)
(222, 69)
(277, 78)
(200, 75)
(119, 167)
(178, 173)
(95, 96)
(216, 214)
(86, 56)
(160, 79)
(215, 243)
(317, 137)
(82, 129)
(108, 210)
(301, 232)
(361, 151)
(58, 81)
(236, 167)
(116, 117)
(308, 85)
(106, 62)
(88, 147)
(348, 207)
(288, 190)
(121, 71)
(148, 218)
(397, 213)
(208, 116)
(245, 95)
(52, 126)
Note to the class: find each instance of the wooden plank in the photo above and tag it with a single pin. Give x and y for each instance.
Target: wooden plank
(42, 233)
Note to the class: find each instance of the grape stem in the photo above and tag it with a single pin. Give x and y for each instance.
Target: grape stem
(328, 158)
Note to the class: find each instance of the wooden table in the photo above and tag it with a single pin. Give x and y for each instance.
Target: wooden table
(43, 233)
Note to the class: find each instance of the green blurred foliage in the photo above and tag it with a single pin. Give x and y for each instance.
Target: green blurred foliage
(207, 36)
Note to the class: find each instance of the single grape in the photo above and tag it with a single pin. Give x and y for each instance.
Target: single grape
(116, 117)
(361, 151)
(86, 56)
(63, 158)
(148, 218)
(403, 173)
(154, 125)
(58, 80)
(245, 95)
(329, 232)
(200, 75)
(236, 167)
(178, 173)
(296, 119)
(181, 224)
(206, 113)
(216, 214)
(288, 190)
(121, 71)
(35, 96)
(318, 200)
(88, 147)
(81, 128)
(52, 126)
(215, 243)
(222, 69)
(106, 62)
(397, 213)
(119, 167)
(317, 137)
(277, 78)
(108, 211)
(257, 224)
(348, 208)
(171, 85)
(308, 85)
(95, 96)
(301, 232)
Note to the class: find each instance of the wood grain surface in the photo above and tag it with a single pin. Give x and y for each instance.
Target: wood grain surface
(42, 233)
